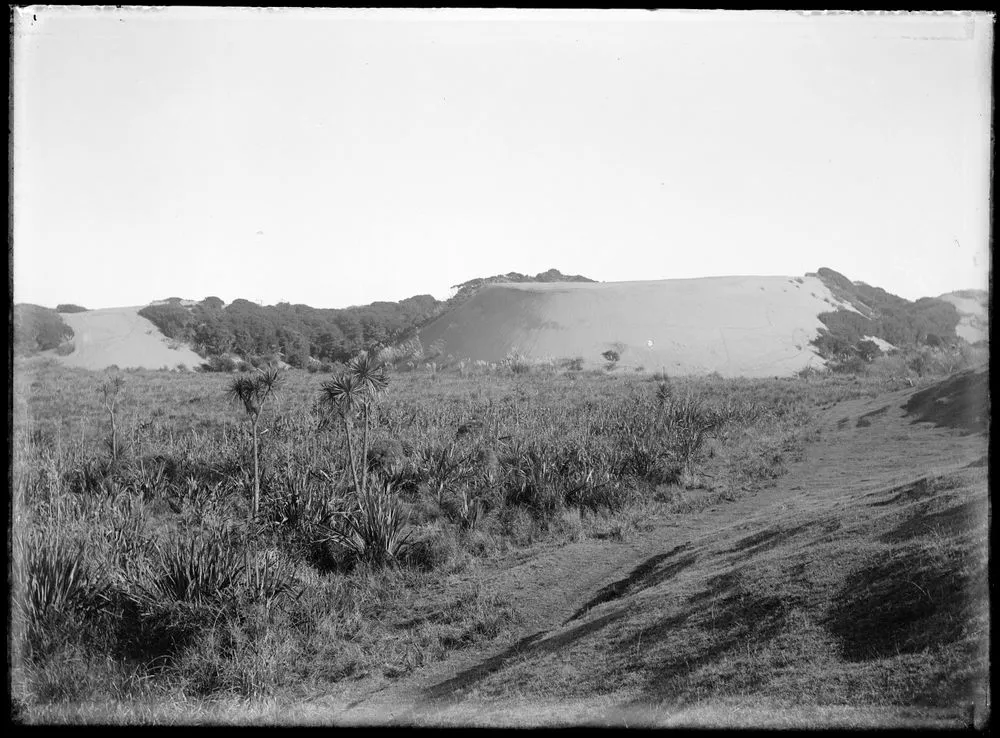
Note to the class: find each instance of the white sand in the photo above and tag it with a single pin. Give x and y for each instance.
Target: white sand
(973, 323)
(737, 326)
(880, 342)
(122, 337)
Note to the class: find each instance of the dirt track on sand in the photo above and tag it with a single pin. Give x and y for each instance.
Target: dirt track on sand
(554, 589)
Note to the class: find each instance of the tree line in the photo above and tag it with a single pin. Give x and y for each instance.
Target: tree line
(298, 332)
(929, 321)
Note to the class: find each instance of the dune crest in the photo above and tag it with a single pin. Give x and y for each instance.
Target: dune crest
(736, 326)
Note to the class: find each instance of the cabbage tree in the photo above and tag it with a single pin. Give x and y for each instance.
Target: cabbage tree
(253, 392)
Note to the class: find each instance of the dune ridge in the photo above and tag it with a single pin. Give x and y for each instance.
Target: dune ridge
(736, 326)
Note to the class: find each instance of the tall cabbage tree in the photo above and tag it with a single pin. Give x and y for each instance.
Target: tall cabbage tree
(355, 391)
(252, 392)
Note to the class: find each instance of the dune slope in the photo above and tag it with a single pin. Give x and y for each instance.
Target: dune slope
(122, 337)
(737, 326)
(973, 311)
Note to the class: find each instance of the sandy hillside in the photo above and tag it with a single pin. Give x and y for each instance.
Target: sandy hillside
(120, 336)
(737, 326)
(973, 312)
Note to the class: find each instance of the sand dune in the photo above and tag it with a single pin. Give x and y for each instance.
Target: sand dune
(737, 326)
(122, 337)
(973, 313)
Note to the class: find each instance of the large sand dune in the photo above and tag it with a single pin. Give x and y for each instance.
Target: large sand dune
(122, 337)
(737, 326)
(973, 311)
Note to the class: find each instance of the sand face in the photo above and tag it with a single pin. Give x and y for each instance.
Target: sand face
(883, 345)
(737, 326)
(122, 337)
(972, 323)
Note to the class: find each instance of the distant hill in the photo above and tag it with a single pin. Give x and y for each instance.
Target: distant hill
(301, 335)
(754, 326)
(748, 326)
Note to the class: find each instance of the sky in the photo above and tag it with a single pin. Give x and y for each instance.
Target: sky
(337, 158)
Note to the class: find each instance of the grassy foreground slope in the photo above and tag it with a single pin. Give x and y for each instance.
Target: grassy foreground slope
(821, 560)
(852, 592)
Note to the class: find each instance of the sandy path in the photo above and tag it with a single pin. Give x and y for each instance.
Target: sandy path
(550, 588)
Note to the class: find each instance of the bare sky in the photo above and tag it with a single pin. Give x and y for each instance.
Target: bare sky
(341, 157)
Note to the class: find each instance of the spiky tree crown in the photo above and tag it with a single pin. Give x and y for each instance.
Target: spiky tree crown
(253, 391)
(364, 379)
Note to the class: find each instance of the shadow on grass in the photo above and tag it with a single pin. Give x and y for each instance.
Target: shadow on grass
(642, 577)
(865, 420)
(905, 606)
(648, 574)
(764, 540)
(916, 490)
(906, 493)
(949, 522)
(961, 402)
(749, 612)
(534, 645)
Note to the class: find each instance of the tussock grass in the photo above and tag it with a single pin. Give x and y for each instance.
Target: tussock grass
(171, 587)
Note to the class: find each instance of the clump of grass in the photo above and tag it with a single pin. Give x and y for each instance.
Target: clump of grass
(56, 583)
(374, 531)
(516, 362)
(196, 570)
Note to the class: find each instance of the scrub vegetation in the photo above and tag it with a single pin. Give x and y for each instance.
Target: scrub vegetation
(184, 538)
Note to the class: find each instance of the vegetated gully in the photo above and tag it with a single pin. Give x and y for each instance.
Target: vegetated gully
(555, 590)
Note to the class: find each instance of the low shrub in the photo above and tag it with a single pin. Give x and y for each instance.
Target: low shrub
(374, 531)
(194, 570)
(55, 583)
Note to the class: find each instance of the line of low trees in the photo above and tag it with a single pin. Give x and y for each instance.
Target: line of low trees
(38, 328)
(298, 332)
